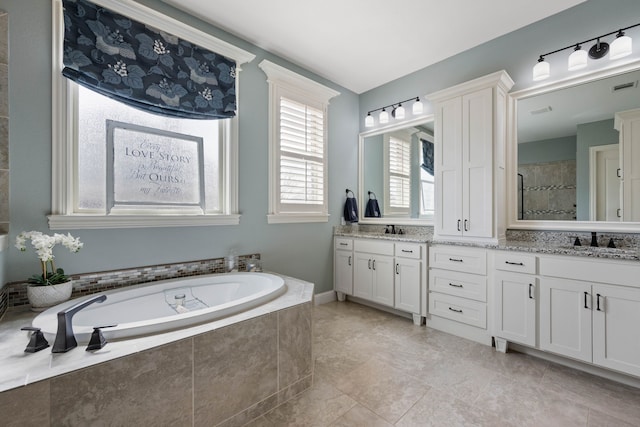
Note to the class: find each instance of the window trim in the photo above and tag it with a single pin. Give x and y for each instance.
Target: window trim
(301, 89)
(64, 135)
(395, 211)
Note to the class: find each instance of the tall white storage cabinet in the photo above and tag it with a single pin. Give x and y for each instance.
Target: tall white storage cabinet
(628, 124)
(470, 133)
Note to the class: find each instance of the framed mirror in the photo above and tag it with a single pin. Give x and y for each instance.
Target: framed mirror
(565, 157)
(395, 167)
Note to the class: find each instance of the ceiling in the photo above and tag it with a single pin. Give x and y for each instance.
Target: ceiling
(362, 44)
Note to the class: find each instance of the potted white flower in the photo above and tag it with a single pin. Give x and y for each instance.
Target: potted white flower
(52, 286)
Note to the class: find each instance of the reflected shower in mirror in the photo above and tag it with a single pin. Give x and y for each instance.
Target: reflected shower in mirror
(397, 166)
(568, 150)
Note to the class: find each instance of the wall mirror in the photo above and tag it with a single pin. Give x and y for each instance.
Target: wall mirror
(395, 166)
(566, 159)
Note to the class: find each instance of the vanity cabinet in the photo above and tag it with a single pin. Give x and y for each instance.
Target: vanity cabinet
(458, 291)
(343, 267)
(387, 272)
(627, 123)
(469, 158)
(590, 311)
(409, 276)
(515, 299)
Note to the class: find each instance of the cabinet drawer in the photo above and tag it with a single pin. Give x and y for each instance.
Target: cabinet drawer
(463, 310)
(343, 243)
(457, 258)
(458, 284)
(517, 262)
(409, 250)
(373, 247)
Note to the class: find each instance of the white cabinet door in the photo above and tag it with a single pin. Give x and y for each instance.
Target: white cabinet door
(362, 276)
(448, 167)
(408, 283)
(343, 265)
(382, 286)
(515, 308)
(616, 316)
(477, 163)
(565, 317)
(464, 165)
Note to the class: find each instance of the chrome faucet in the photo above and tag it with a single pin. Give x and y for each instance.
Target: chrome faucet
(65, 340)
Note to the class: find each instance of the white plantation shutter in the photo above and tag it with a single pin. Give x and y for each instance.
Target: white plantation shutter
(399, 173)
(301, 153)
(297, 146)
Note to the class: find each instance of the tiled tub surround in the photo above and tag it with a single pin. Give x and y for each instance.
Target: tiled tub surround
(225, 372)
(549, 190)
(15, 294)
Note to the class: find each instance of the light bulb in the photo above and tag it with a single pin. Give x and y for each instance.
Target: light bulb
(368, 121)
(399, 112)
(541, 70)
(578, 59)
(620, 47)
(384, 116)
(417, 107)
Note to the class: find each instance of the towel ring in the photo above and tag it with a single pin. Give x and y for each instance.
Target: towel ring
(374, 195)
(349, 191)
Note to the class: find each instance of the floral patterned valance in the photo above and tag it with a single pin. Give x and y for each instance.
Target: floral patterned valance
(145, 67)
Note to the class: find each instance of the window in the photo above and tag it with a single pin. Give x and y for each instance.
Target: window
(98, 142)
(427, 183)
(397, 167)
(297, 146)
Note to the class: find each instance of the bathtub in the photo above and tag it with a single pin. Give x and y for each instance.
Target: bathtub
(166, 305)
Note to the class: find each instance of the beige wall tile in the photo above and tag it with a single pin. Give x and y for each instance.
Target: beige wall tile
(153, 387)
(4, 143)
(294, 352)
(234, 367)
(25, 406)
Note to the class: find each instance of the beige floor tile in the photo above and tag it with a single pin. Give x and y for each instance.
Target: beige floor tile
(523, 404)
(359, 416)
(319, 406)
(438, 408)
(599, 419)
(600, 394)
(382, 388)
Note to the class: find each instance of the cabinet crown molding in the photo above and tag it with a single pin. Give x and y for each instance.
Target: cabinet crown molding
(500, 79)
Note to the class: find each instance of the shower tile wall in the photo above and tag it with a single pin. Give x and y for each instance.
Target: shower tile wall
(4, 123)
(548, 191)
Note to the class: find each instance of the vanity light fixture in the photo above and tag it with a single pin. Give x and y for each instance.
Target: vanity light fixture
(620, 47)
(397, 112)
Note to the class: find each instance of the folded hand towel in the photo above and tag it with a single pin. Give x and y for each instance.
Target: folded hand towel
(372, 210)
(351, 210)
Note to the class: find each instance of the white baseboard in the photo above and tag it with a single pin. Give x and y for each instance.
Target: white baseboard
(324, 297)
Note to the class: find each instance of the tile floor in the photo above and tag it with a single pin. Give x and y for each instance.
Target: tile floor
(376, 369)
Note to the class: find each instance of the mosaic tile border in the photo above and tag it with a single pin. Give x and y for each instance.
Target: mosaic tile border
(15, 294)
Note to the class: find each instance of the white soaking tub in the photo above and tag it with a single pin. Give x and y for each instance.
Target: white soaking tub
(166, 305)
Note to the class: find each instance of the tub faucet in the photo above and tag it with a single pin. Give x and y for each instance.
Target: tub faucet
(65, 340)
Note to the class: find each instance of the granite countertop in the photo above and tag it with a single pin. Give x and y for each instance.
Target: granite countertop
(550, 248)
(20, 368)
(414, 238)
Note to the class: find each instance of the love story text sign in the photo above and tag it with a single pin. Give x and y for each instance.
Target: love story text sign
(153, 168)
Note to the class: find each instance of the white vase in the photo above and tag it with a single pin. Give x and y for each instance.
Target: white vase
(43, 297)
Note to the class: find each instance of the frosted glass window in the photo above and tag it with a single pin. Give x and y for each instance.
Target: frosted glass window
(94, 112)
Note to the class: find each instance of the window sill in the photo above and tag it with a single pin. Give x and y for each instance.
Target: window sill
(296, 218)
(78, 222)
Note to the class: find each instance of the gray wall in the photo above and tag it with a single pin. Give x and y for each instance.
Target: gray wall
(548, 150)
(589, 135)
(299, 250)
(285, 248)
